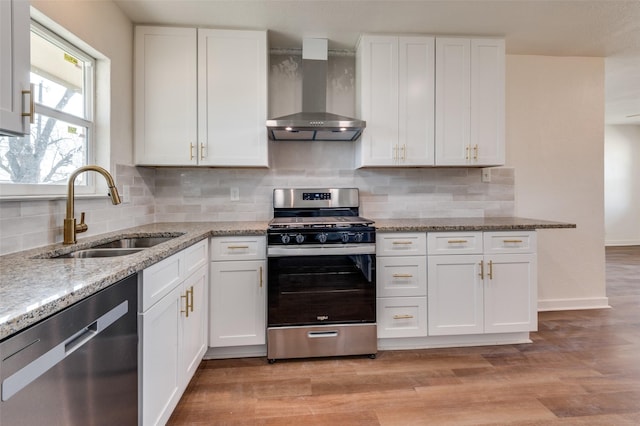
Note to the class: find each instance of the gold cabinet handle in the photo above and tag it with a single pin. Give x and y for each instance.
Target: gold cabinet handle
(475, 152)
(405, 316)
(191, 305)
(237, 247)
(395, 152)
(490, 274)
(481, 270)
(404, 152)
(32, 104)
(202, 148)
(261, 279)
(466, 155)
(186, 307)
(457, 241)
(191, 151)
(403, 242)
(402, 276)
(512, 241)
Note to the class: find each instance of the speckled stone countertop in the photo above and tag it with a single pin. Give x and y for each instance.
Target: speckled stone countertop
(33, 286)
(466, 224)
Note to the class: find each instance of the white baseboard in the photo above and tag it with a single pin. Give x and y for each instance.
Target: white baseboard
(614, 243)
(573, 304)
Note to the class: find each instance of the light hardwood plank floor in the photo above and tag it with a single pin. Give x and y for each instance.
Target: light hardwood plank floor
(583, 368)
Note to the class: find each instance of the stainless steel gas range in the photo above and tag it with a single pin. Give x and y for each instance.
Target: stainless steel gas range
(322, 275)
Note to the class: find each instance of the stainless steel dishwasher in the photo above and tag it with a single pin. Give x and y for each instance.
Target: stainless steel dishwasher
(77, 367)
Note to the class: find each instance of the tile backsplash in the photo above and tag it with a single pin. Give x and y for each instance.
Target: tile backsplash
(203, 194)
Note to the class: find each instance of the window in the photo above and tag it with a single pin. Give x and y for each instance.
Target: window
(62, 134)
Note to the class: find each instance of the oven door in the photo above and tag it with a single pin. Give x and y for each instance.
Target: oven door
(315, 287)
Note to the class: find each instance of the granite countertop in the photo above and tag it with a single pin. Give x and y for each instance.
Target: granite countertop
(466, 224)
(33, 287)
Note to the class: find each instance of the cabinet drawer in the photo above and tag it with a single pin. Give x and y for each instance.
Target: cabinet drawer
(195, 256)
(509, 242)
(401, 276)
(401, 244)
(454, 243)
(158, 280)
(238, 248)
(402, 317)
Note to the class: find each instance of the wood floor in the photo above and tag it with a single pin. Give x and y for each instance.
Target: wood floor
(583, 368)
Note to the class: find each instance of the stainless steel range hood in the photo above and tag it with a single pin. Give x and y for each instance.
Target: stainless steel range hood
(314, 123)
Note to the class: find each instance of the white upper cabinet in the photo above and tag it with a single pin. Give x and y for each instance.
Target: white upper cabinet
(395, 96)
(15, 64)
(200, 97)
(232, 97)
(469, 99)
(166, 100)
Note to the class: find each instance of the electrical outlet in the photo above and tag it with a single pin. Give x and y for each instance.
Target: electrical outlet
(235, 194)
(486, 175)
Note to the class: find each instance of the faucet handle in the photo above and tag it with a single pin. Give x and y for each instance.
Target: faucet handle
(81, 227)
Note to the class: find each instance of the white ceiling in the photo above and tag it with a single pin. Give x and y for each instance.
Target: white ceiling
(607, 28)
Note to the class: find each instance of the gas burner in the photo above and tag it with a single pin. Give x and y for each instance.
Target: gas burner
(318, 216)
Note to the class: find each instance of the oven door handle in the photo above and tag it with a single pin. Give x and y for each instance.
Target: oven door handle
(319, 334)
(320, 250)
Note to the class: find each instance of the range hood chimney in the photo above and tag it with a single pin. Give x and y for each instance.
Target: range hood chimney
(314, 123)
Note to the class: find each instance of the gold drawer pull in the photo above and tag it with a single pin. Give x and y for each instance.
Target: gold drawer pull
(237, 247)
(402, 316)
(403, 242)
(261, 279)
(512, 241)
(457, 241)
(402, 276)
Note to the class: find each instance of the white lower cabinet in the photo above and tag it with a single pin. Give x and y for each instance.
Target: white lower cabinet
(238, 295)
(401, 284)
(173, 324)
(491, 291)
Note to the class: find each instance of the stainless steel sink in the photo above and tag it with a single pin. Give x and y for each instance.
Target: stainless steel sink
(137, 242)
(99, 252)
(120, 247)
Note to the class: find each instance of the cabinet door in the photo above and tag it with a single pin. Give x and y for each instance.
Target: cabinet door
(15, 64)
(487, 101)
(232, 97)
(377, 68)
(160, 372)
(165, 97)
(510, 293)
(453, 94)
(237, 303)
(194, 322)
(455, 295)
(416, 101)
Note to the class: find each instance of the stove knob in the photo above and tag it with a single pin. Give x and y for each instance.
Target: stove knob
(344, 236)
(285, 238)
(359, 236)
(322, 237)
(299, 238)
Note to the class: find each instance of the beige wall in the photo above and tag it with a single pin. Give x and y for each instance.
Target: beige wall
(555, 142)
(103, 27)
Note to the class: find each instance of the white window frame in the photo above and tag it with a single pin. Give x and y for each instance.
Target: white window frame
(12, 190)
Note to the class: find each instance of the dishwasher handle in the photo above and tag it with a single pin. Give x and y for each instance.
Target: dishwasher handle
(30, 372)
